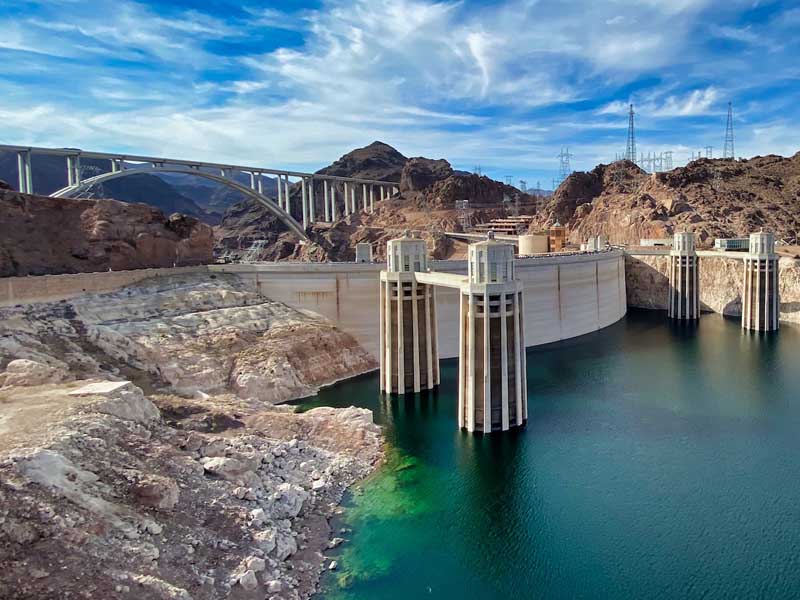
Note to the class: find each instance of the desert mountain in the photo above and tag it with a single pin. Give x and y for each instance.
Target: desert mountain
(712, 197)
(428, 191)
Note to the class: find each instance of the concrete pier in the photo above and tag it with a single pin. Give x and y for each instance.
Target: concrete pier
(760, 298)
(492, 394)
(409, 356)
(684, 286)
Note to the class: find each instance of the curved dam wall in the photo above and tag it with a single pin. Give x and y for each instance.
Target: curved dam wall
(565, 296)
(721, 280)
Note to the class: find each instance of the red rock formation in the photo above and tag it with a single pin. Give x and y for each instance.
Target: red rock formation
(713, 198)
(42, 235)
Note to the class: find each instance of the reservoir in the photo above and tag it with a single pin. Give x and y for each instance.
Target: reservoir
(658, 461)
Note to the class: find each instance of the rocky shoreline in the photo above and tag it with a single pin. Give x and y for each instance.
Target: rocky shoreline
(120, 480)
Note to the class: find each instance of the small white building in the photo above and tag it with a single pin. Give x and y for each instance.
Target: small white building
(736, 244)
(363, 252)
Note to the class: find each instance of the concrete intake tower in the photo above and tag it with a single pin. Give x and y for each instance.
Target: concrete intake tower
(492, 394)
(409, 356)
(684, 286)
(760, 291)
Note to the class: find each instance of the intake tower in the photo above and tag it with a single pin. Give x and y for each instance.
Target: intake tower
(760, 291)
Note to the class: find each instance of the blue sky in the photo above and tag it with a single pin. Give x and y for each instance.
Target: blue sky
(504, 85)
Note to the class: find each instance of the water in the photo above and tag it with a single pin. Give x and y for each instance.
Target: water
(658, 462)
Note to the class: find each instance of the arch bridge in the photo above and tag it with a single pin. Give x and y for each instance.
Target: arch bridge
(354, 194)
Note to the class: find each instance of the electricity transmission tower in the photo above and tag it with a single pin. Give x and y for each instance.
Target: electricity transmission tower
(668, 160)
(728, 152)
(630, 152)
(563, 168)
(464, 217)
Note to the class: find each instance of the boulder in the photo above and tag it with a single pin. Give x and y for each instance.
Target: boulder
(156, 492)
(24, 372)
(121, 399)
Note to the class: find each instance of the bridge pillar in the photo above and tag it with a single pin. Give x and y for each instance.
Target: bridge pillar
(409, 355)
(312, 206)
(286, 195)
(364, 197)
(684, 282)
(304, 192)
(327, 200)
(492, 389)
(346, 199)
(371, 198)
(279, 196)
(760, 298)
(353, 209)
(25, 172)
(261, 183)
(333, 202)
(383, 192)
(252, 180)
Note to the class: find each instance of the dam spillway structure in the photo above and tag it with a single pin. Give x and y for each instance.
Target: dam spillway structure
(492, 394)
(684, 284)
(760, 299)
(409, 356)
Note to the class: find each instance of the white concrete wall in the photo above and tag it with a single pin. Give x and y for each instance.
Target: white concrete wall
(565, 296)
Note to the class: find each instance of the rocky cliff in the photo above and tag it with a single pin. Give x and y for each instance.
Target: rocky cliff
(647, 284)
(41, 235)
(141, 456)
(713, 198)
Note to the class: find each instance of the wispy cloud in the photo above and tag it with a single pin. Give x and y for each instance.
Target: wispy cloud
(503, 85)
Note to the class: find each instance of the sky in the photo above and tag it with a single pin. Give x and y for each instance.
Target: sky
(500, 85)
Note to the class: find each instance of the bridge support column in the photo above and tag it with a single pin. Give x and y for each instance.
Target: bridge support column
(383, 192)
(346, 199)
(252, 180)
(684, 280)
(760, 298)
(364, 197)
(116, 165)
(327, 200)
(492, 390)
(353, 200)
(333, 203)
(279, 193)
(261, 183)
(286, 195)
(304, 192)
(371, 198)
(409, 348)
(25, 172)
(312, 206)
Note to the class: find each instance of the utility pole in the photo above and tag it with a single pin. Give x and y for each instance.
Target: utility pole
(729, 152)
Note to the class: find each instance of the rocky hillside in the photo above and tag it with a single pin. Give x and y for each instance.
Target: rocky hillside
(712, 197)
(426, 202)
(141, 456)
(41, 235)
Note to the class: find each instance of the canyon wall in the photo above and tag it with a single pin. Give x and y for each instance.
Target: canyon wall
(721, 281)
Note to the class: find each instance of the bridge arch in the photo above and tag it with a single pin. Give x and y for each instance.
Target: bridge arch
(283, 216)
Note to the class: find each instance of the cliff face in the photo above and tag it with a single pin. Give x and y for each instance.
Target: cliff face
(713, 198)
(41, 235)
(139, 442)
(647, 284)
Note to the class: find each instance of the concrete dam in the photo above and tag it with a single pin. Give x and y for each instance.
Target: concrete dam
(565, 296)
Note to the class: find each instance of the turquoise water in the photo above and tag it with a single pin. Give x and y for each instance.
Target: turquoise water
(658, 462)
